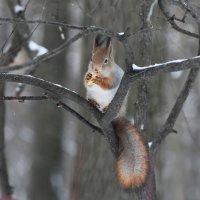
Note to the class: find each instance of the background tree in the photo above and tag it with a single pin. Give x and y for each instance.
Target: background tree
(50, 154)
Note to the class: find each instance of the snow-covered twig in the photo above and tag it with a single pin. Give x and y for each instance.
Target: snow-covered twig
(178, 61)
(170, 66)
(151, 12)
(18, 9)
(35, 47)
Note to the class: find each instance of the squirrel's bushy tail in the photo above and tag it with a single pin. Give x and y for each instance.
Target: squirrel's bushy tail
(132, 163)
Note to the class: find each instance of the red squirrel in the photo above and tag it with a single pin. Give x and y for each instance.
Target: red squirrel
(102, 81)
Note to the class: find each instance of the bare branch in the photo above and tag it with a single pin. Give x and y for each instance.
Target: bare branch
(45, 22)
(59, 104)
(188, 9)
(59, 49)
(129, 77)
(168, 125)
(137, 72)
(51, 87)
(5, 187)
(7, 58)
(23, 98)
(173, 23)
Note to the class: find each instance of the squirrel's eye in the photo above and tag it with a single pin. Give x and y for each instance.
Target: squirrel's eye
(106, 61)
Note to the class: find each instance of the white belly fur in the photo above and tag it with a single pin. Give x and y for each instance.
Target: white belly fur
(103, 97)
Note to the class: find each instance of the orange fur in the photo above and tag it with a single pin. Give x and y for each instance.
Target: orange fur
(105, 83)
(99, 54)
(132, 163)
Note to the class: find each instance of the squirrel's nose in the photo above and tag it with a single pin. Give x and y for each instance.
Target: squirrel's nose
(95, 69)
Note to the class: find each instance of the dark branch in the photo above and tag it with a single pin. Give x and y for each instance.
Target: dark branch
(188, 9)
(171, 20)
(45, 22)
(23, 98)
(57, 50)
(168, 125)
(51, 87)
(60, 104)
(7, 58)
(138, 72)
(55, 100)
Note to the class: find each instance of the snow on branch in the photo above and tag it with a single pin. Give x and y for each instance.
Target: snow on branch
(151, 12)
(171, 66)
(60, 48)
(56, 89)
(35, 47)
(18, 9)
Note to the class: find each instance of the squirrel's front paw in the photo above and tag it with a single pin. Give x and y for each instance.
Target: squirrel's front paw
(97, 80)
(92, 78)
(88, 76)
(88, 79)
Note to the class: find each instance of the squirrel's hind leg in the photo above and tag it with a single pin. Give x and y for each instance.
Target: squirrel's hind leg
(94, 103)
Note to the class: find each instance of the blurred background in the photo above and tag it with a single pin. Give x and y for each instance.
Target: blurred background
(53, 156)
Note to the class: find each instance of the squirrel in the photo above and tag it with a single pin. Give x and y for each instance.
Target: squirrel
(102, 81)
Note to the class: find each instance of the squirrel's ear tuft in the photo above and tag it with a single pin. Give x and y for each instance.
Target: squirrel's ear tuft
(101, 40)
(108, 43)
(109, 46)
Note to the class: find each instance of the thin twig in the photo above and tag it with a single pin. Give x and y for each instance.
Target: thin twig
(51, 87)
(60, 104)
(172, 22)
(45, 22)
(168, 125)
(5, 188)
(55, 100)
(23, 98)
(20, 87)
(59, 49)
(188, 9)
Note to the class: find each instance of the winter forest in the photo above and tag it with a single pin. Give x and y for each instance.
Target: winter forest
(54, 144)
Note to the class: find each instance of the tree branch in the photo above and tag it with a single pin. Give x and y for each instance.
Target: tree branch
(171, 66)
(60, 104)
(85, 31)
(168, 125)
(129, 77)
(51, 87)
(172, 22)
(57, 50)
(5, 187)
(7, 58)
(137, 72)
(45, 22)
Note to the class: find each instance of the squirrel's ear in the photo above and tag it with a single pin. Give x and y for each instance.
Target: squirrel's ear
(109, 46)
(97, 41)
(108, 43)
